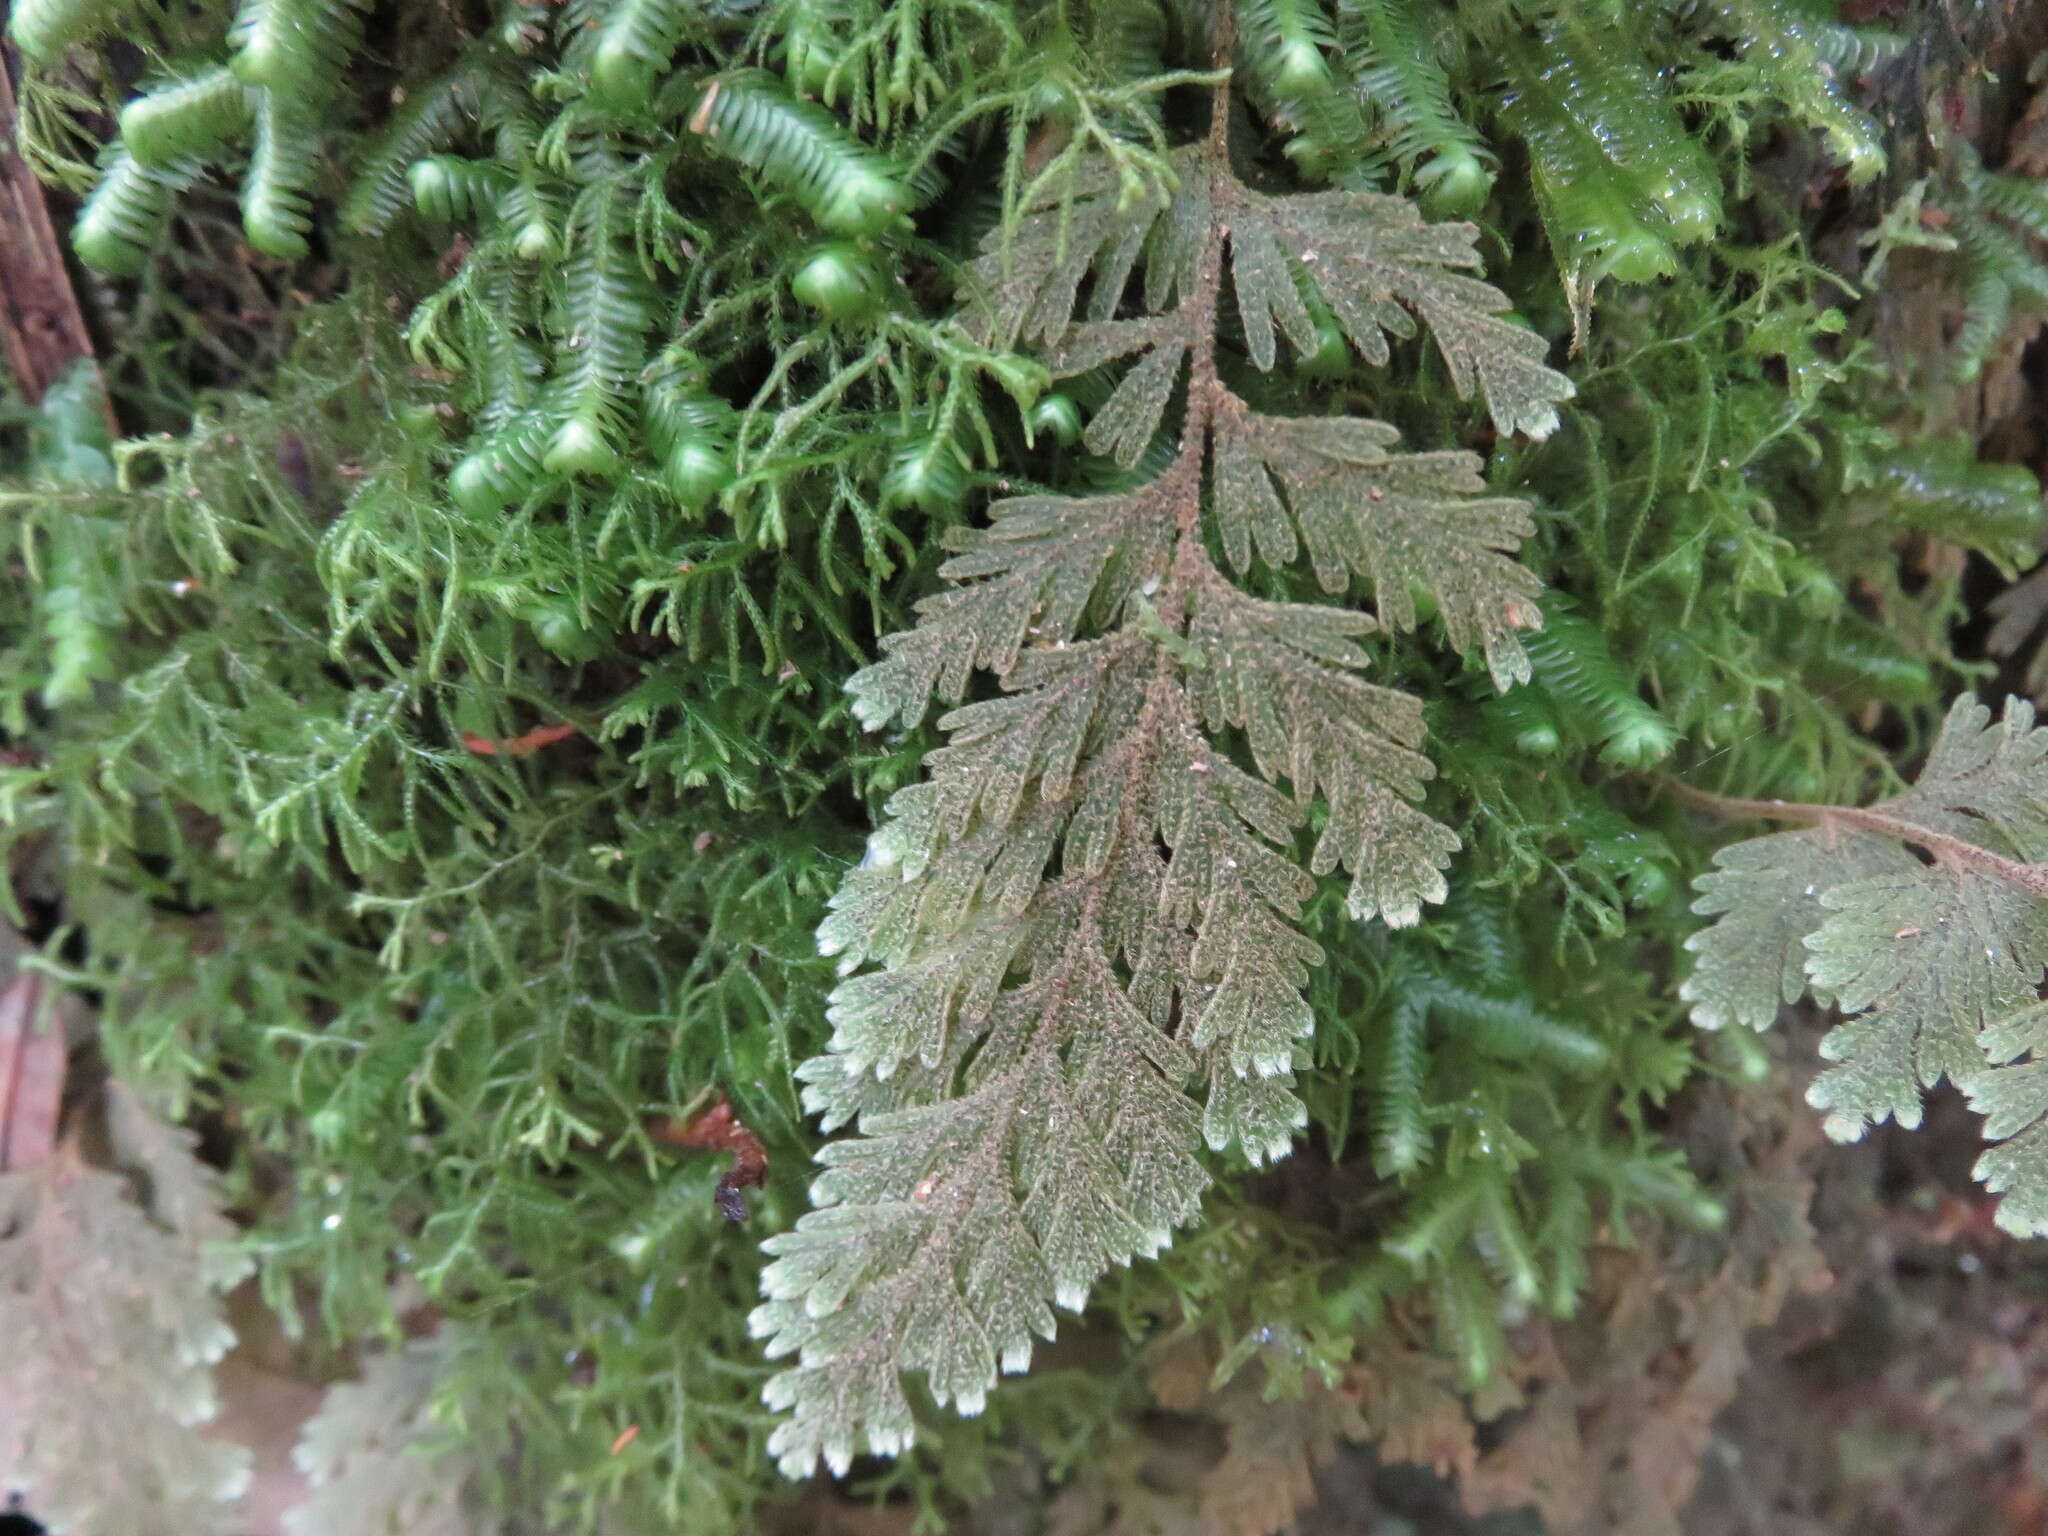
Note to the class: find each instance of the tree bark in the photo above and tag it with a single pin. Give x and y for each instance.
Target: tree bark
(41, 327)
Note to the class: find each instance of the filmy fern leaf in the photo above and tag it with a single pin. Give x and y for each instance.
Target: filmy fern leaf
(450, 187)
(630, 46)
(1938, 961)
(1618, 179)
(1795, 55)
(1580, 674)
(607, 308)
(1073, 955)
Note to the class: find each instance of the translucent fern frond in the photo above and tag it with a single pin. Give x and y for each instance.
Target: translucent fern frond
(1073, 954)
(505, 466)
(452, 188)
(2023, 200)
(1401, 1136)
(606, 305)
(1578, 671)
(1618, 179)
(1795, 56)
(1287, 42)
(2000, 267)
(1288, 48)
(630, 46)
(1936, 961)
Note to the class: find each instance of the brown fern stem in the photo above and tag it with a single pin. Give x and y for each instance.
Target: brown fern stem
(1955, 852)
(1197, 314)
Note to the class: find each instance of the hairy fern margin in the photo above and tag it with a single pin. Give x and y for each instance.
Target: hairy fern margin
(1073, 954)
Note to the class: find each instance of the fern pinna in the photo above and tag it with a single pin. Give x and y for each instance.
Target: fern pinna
(1073, 954)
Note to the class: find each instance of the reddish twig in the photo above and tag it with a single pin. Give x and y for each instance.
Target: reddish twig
(518, 746)
(1952, 851)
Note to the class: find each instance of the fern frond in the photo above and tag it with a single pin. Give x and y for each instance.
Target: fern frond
(689, 427)
(1285, 46)
(1790, 52)
(2023, 200)
(1939, 487)
(1618, 179)
(1998, 268)
(79, 626)
(1286, 41)
(506, 466)
(1936, 964)
(607, 308)
(1400, 1135)
(1850, 49)
(1987, 312)
(452, 188)
(43, 29)
(1035, 1057)
(1511, 1027)
(1525, 718)
(114, 1322)
(370, 1454)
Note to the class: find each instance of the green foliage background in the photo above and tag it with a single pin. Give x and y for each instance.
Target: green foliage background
(552, 386)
